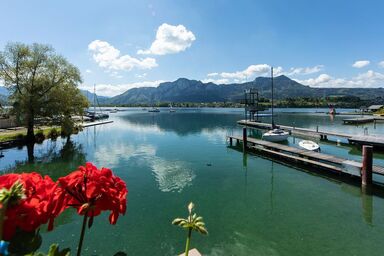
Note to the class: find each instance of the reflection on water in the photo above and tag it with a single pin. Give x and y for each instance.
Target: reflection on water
(54, 158)
(182, 123)
(171, 176)
(251, 205)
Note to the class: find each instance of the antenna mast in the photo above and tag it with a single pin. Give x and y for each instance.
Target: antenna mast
(94, 99)
(273, 123)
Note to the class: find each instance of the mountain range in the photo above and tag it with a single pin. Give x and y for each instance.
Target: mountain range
(186, 90)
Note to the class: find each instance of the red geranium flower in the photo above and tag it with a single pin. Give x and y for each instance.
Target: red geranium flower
(92, 191)
(36, 207)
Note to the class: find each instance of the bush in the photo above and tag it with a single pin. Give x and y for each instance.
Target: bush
(53, 133)
(39, 136)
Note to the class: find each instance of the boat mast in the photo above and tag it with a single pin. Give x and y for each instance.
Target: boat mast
(94, 98)
(273, 123)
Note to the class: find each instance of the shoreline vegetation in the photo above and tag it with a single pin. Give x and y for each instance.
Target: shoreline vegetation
(20, 134)
(299, 102)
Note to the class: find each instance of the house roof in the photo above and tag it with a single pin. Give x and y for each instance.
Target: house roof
(375, 107)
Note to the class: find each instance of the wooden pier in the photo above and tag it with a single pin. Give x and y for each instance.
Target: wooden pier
(362, 120)
(95, 123)
(305, 157)
(375, 141)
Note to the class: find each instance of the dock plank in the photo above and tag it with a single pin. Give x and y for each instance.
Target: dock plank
(305, 132)
(315, 158)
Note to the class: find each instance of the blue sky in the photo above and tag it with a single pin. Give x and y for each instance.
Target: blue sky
(118, 45)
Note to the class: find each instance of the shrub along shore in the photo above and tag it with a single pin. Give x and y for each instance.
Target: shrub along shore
(20, 134)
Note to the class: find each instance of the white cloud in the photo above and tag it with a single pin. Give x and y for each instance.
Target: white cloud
(369, 79)
(244, 75)
(107, 56)
(113, 90)
(216, 81)
(141, 75)
(88, 71)
(381, 64)
(252, 70)
(313, 82)
(305, 71)
(361, 63)
(170, 39)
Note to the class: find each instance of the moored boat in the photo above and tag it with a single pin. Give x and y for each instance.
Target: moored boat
(154, 110)
(309, 145)
(275, 135)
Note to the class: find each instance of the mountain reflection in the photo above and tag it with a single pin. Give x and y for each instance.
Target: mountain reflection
(183, 123)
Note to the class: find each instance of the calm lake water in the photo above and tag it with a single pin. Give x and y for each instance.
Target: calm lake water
(251, 205)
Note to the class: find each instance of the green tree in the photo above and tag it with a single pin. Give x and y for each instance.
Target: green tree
(41, 82)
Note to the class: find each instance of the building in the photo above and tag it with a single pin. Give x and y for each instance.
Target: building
(374, 108)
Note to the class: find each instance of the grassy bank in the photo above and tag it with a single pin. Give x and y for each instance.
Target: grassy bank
(20, 134)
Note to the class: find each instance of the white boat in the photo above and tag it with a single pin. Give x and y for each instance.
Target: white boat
(276, 135)
(154, 110)
(309, 145)
(171, 109)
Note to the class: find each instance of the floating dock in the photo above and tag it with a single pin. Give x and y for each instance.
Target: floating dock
(95, 123)
(375, 141)
(305, 157)
(362, 120)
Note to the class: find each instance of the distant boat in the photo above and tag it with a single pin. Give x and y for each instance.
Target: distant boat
(154, 110)
(309, 145)
(114, 110)
(171, 109)
(96, 115)
(275, 134)
(332, 110)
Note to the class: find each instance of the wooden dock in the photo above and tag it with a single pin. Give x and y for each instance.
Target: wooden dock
(305, 157)
(95, 123)
(362, 120)
(319, 134)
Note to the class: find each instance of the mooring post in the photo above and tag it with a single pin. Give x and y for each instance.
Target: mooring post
(366, 170)
(230, 141)
(244, 139)
(317, 128)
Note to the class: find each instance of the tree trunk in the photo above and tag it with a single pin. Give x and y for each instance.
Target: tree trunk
(30, 126)
(30, 149)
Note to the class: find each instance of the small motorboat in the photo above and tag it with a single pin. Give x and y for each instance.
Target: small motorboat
(275, 135)
(154, 110)
(309, 145)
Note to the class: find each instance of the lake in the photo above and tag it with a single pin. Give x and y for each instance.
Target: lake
(251, 205)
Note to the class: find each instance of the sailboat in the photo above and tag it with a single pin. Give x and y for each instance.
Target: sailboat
(275, 134)
(171, 109)
(94, 115)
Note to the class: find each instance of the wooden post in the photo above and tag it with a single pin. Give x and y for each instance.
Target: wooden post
(317, 128)
(244, 139)
(366, 171)
(230, 141)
